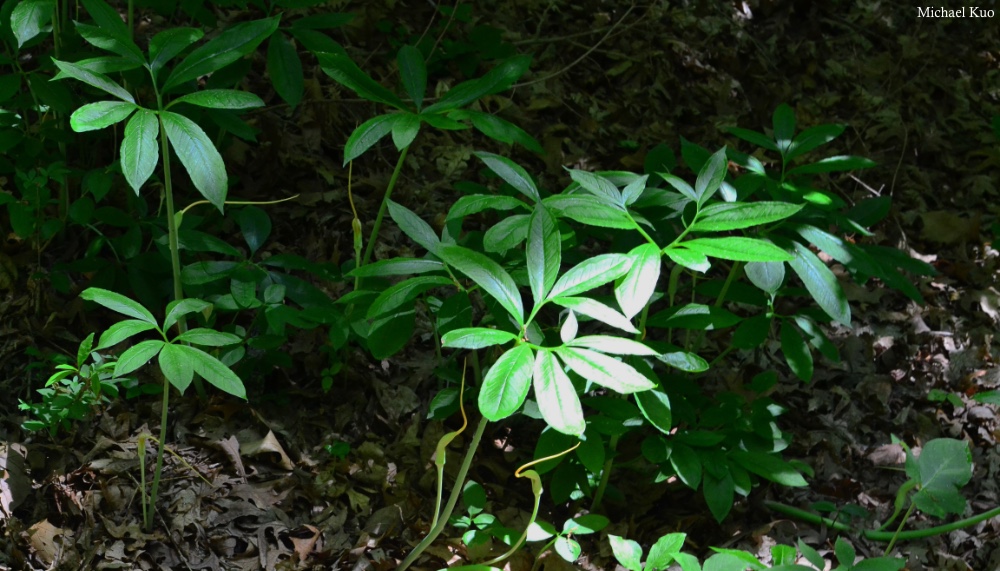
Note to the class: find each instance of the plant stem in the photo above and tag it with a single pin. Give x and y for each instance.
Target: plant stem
(456, 491)
(370, 247)
(882, 535)
(159, 455)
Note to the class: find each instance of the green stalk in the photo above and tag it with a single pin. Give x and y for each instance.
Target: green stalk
(370, 247)
(456, 491)
(882, 535)
(159, 459)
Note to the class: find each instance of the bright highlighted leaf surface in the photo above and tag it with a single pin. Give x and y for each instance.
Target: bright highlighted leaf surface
(506, 384)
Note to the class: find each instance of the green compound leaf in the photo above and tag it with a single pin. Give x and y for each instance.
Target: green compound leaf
(821, 283)
(99, 115)
(725, 216)
(347, 73)
(476, 338)
(556, 396)
(738, 249)
(199, 156)
(413, 73)
(140, 151)
(604, 370)
(119, 303)
(367, 134)
(489, 275)
(229, 46)
(506, 384)
(797, 353)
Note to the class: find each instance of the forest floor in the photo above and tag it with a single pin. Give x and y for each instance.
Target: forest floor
(306, 479)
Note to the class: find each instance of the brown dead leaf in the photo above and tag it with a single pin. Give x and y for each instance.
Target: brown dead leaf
(268, 445)
(42, 539)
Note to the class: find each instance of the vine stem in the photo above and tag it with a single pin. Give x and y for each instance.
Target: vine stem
(456, 491)
(875, 535)
(370, 247)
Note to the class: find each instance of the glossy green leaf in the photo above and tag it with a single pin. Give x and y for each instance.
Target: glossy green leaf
(489, 275)
(686, 463)
(636, 288)
(413, 73)
(812, 138)
(612, 345)
(229, 46)
(214, 371)
(496, 80)
(689, 259)
(738, 249)
(391, 332)
(796, 352)
(317, 42)
(507, 234)
(255, 225)
(544, 253)
(661, 554)
(556, 396)
(497, 129)
(585, 524)
(93, 79)
(768, 276)
(603, 370)
(285, 69)
(591, 211)
(753, 137)
(118, 303)
(833, 164)
(511, 173)
(655, 406)
(99, 115)
(591, 273)
(169, 43)
(220, 99)
(199, 156)
(179, 308)
(710, 176)
(208, 337)
(123, 330)
(634, 189)
(821, 283)
(175, 367)
(137, 356)
(140, 150)
(405, 130)
(942, 469)
(752, 332)
(598, 186)
(680, 185)
(596, 310)
(29, 17)
(347, 73)
(725, 216)
(397, 267)
(567, 548)
(367, 134)
(119, 44)
(414, 227)
(107, 18)
(506, 384)
(783, 122)
(472, 204)
(684, 361)
(476, 338)
(403, 293)
(627, 552)
(770, 467)
(719, 494)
